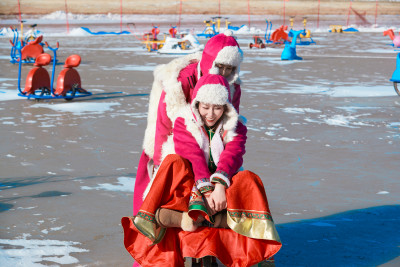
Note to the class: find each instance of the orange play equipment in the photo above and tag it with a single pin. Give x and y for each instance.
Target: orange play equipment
(173, 31)
(279, 35)
(39, 85)
(38, 77)
(69, 76)
(151, 41)
(395, 39)
(32, 49)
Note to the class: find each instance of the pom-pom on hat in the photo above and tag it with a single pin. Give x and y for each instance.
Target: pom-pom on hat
(222, 49)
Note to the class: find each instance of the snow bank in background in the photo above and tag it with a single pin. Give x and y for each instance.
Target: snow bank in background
(191, 22)
(79, 32)
(6, 31)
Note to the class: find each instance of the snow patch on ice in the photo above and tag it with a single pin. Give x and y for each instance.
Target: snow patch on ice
(79, 108)
(382, 193)
(125, 184)
(300, 110)
(340, 120)
(132, 68)
(30, 252)
(9, 95)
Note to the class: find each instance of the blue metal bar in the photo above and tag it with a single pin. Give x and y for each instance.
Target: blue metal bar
(54, 67)
(19, 68)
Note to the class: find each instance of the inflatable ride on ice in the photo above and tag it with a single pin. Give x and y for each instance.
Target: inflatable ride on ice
(186, 45)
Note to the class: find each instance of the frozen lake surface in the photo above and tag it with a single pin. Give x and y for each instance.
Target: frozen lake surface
(324, 136)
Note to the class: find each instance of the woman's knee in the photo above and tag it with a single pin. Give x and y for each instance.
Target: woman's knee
(175, 159)
(247, 176)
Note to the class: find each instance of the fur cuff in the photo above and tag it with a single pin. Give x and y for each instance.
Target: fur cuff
(221, 178)
(204, 185)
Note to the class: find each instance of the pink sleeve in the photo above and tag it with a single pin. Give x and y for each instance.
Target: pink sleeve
(163, 129)
(231, 158)
(236, 97)
(188, 79)
(187, 147)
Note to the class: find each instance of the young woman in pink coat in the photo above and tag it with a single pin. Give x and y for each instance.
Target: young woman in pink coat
(172, 90)
(199, 187)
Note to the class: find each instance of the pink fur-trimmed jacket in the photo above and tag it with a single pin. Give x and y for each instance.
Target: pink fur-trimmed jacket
(172, 89)
(227, 152)
(189, 139)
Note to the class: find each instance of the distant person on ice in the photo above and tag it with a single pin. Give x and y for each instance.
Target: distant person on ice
(198, 180)
(172, 90)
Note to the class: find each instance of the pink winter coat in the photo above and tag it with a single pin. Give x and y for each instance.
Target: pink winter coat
(172, 90)
(188, 79)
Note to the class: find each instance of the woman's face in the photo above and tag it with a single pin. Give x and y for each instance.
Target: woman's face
(210, 113)
(225, 70)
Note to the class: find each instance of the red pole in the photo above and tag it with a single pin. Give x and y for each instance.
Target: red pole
(19, 11)
(376, 10)
(66, 15)
(120, 11)
(318, 14)
(219, 8)
(248, 10)
(348, 15)
(180, 12)
(283, 12)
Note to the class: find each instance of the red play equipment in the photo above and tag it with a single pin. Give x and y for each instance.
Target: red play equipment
(38, 77)
(277, 38)
(151, 41)
(395, 39)
(38, 84)
(279, 35)
(152, 35)
(173, 31)
(69, 76)
(29, 51)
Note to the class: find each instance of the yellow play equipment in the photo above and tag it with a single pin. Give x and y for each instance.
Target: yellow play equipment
(308, 32)
(153, 45)
(213, 26)
(210, 27)
(151, 41)
(305, 36)
(336, 28)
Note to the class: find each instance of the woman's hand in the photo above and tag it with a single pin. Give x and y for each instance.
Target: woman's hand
(210, 203)
(217, 199)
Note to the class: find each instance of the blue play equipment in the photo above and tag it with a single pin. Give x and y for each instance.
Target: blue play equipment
(305, 37)
(104, 32)
(38, 84)
(268, 31)
(210, 30)
(289, 52)
(396, 75)
(31, 47)
(350, 30)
